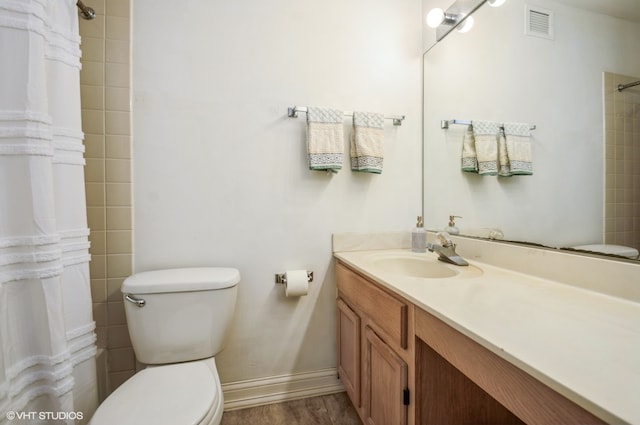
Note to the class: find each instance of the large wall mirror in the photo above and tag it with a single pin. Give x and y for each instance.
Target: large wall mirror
(561, 78)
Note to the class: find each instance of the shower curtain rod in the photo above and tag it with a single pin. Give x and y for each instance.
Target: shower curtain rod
(626, 86)
(85, 11)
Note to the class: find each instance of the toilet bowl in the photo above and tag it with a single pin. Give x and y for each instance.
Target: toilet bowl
(178, 320)
(622, 251)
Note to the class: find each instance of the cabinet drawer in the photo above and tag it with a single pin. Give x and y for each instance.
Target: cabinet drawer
(386, 311)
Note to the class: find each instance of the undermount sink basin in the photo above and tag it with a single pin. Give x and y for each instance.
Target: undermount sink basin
(421, 266)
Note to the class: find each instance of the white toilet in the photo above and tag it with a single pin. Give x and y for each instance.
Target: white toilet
(178, 320)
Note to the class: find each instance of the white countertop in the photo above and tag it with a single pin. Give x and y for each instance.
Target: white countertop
(583, 344)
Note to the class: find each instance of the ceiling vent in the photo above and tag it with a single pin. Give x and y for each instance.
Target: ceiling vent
(538, 22)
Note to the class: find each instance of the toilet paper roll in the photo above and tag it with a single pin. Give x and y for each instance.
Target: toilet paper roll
(297, 283)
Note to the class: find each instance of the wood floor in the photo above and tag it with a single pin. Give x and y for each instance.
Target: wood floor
(332, 409)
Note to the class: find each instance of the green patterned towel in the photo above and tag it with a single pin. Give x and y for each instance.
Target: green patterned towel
(325, 138)
(504, 167)
(486, 136)
(367, 142)
(518, 146)
(469, 156)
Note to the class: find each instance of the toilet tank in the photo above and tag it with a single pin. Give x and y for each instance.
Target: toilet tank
(178, 315)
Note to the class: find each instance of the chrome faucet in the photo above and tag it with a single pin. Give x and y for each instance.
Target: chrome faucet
(446, 250)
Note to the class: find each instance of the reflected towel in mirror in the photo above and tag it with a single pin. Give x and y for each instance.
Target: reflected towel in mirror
(518, 144)
(469, 156)
(486, 137)
(504, 167)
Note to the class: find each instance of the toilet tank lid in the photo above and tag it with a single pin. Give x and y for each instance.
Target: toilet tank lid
(181, 280)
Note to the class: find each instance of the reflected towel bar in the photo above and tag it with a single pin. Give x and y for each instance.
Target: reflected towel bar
(444, 124)
(293, 113)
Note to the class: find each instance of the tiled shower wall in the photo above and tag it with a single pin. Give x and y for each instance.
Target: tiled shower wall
(106, 121)
(622, 179)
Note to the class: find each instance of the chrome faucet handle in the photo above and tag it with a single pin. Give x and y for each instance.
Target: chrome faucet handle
(444, 238)
(496, 234)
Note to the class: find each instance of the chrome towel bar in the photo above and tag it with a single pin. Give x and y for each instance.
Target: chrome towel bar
(292, 112)
(444, 124)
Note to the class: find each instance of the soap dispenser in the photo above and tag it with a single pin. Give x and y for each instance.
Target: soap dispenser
(452, 229)
(419, 237)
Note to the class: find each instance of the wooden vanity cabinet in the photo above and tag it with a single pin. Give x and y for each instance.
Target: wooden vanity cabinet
(374, 360)
(403, 366)
(461, 382)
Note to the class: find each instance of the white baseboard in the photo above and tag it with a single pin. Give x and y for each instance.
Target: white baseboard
(275, 389)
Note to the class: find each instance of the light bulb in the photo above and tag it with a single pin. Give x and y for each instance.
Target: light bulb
(496, 3)
(435, 17)
(466, 24)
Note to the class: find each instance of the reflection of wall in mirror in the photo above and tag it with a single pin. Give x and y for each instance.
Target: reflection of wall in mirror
(622, 146)
(496, 72)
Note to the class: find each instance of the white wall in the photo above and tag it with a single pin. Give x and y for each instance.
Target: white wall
(495, 72)
(220, 173)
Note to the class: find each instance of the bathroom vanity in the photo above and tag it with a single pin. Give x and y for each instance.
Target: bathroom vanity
(423, 342)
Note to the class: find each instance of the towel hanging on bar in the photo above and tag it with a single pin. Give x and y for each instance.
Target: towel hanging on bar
(367, 142)
(518, 143)
(325, 145)
(292, 112)
(491, 148)
(485, 134)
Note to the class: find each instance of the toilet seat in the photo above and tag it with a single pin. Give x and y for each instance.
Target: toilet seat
(183, 393)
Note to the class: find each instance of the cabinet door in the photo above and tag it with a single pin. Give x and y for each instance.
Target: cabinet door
(349, 351)
(385, 383)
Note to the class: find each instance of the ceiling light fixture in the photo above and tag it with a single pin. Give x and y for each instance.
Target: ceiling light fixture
(466, 24)
(457, 16)
(437, 17)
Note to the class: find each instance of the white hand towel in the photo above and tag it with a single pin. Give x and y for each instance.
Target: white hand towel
(469, 156)
(367, 142)
(486, 135)
(518, 141)
(325, 138)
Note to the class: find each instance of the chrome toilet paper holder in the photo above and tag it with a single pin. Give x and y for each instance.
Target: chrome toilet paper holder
(281, 277)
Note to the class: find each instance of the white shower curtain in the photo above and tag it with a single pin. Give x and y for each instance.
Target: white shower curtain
(47, 338)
